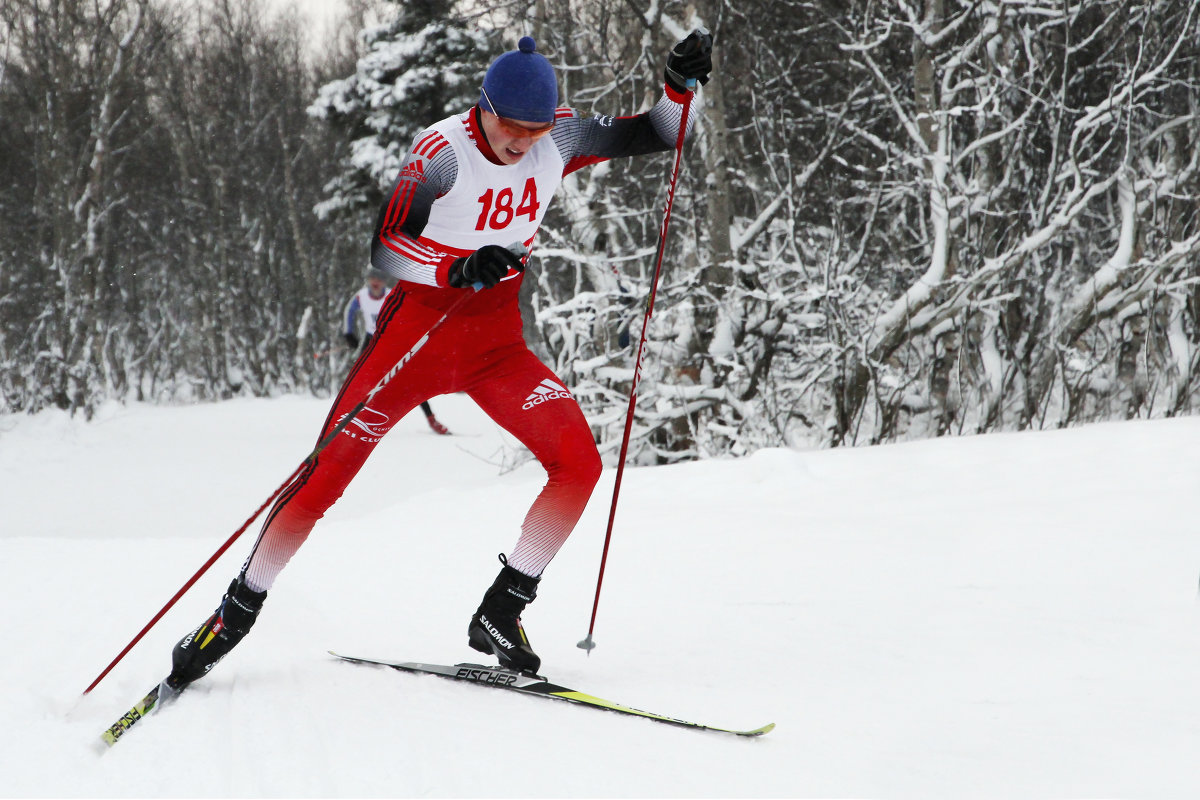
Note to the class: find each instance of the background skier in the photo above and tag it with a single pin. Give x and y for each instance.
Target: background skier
(364, 306)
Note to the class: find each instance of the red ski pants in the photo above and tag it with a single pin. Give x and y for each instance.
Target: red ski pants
(481, 354)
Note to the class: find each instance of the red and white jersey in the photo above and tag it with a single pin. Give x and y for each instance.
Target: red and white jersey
(453, 195)
(485, 203)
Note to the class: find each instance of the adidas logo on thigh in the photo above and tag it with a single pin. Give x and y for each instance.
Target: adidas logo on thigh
(546, 391)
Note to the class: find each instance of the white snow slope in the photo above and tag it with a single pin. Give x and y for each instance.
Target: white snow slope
(994, 616)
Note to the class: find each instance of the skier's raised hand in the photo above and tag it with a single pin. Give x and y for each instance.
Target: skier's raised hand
(690, 60)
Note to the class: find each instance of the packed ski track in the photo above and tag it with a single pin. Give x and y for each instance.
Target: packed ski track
(992, 616)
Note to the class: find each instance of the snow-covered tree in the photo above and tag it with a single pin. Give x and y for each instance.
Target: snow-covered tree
(157, 175)
(420, 67)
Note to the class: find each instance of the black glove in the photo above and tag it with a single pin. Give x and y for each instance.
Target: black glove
(487, 266)
(352, 340)
(690, 60)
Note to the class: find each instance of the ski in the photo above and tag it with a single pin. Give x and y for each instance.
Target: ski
(538, 686)
(157, 697)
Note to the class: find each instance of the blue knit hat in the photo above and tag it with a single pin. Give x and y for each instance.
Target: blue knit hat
(521, 85)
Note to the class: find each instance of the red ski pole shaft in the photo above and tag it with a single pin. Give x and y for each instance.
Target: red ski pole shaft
(588, 643)
(310, 459)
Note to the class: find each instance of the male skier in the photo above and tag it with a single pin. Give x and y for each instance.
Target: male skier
(472, 185)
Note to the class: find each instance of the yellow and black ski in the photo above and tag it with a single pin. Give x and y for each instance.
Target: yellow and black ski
(539, 686)
(154, 699)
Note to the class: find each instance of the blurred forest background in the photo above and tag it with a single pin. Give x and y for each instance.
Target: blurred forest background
(898, 218)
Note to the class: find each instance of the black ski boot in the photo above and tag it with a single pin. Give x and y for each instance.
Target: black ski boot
(200, 650)
(496, 627)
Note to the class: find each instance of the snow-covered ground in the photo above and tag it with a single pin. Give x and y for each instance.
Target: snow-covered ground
(999, 616)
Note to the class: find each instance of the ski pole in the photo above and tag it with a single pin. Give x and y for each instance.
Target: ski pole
(588, 643)
(310, 459)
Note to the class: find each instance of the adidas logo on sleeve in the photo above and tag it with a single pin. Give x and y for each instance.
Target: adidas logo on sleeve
(546, 391)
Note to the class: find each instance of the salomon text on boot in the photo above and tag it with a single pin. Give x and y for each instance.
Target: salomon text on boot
(200, 650)
(496, 627)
